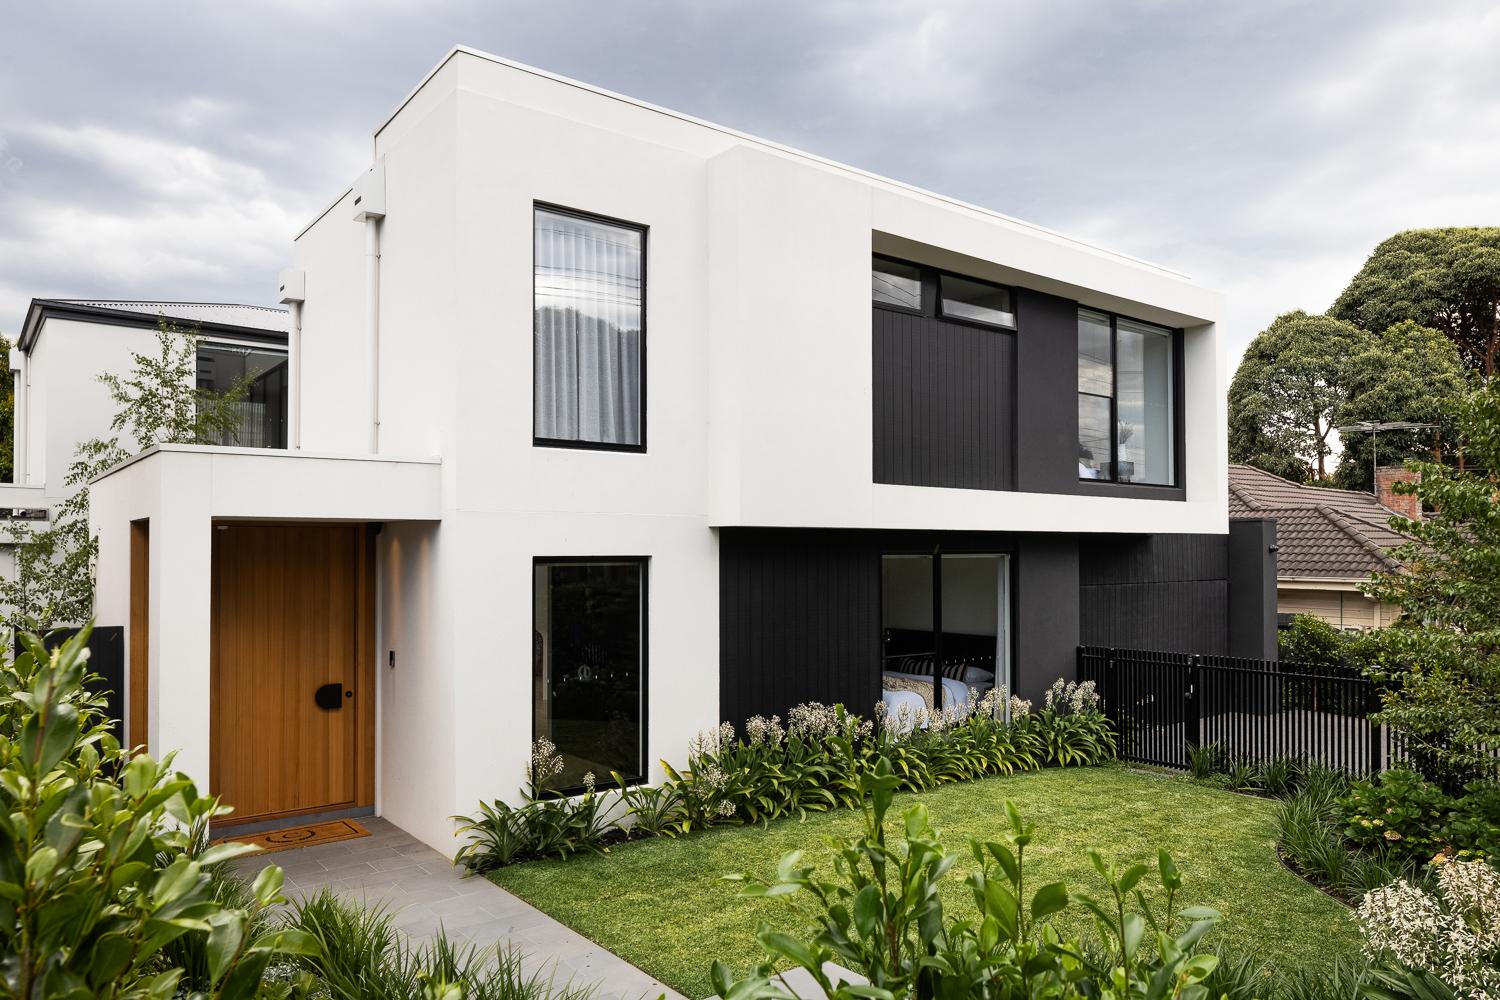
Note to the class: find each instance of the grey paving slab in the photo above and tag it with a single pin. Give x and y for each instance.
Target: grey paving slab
(424, 892)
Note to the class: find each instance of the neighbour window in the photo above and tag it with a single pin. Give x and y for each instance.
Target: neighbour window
(896, 284)
(589, 305)
(977, 301)
(259, 379)
(1126, 429)
(588, 667)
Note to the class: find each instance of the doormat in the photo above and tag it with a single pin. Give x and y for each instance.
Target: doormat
(301, 836)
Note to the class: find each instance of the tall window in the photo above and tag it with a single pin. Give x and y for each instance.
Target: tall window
(588, 666)
(589, 320)
(262, 411)
(1125, 387)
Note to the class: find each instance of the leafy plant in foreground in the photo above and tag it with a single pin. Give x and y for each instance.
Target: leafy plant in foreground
(881, 915)
(361, 956)
(99, 873)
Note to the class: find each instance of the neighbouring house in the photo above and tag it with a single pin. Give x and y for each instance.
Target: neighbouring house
(609, 423)
(65, 344)
(1329, 542)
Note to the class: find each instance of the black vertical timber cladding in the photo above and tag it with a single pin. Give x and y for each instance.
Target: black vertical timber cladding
(799, 612)
(799, 620)
(1160, 592)
(1252, 588)
(1046, 393)
(944, 403)
(1046, 612)
(106, 667)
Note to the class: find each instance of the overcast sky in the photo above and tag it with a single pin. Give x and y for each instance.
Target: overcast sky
(171, 150)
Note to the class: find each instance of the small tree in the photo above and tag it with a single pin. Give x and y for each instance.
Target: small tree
(159, 402)
(1285, 393)
(1440, 661)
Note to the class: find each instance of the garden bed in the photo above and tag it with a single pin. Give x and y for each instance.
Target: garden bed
(662, 905)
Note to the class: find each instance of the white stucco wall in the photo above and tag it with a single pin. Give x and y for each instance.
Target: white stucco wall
(68, 404)
(181, 490)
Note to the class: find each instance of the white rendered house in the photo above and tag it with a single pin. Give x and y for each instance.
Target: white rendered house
(65, 344)
(609, 423)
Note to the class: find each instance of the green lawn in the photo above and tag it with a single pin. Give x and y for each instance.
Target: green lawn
(661, 904)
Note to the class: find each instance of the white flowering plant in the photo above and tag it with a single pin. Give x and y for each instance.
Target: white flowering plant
(812, 761)
(545, 823)
(1452, 934)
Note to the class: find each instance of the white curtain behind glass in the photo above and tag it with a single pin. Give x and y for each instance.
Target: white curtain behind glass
(587, 330)
(1144, 404)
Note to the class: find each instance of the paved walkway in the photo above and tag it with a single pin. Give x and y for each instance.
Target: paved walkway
(424, 892)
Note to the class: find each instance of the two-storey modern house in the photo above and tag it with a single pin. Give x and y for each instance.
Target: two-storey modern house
(64, 345)
(612, 423)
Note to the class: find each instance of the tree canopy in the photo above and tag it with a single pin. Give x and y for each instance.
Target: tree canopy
(1447, 279)
(1285, 392)
(1305, 375)
(1406, 372)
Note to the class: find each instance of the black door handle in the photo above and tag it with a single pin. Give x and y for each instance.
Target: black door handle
(330, 697)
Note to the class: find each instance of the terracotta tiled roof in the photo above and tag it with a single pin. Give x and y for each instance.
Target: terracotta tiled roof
(1337, 534)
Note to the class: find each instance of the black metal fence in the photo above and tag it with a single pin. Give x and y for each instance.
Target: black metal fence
(1164, 703)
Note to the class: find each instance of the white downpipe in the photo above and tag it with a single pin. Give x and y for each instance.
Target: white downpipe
(21, 406)
(372, 325)
(294, 371)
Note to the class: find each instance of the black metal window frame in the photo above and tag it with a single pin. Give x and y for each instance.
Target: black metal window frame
(1113, 479)
(932, 295)
(644, 562)
(609, 220)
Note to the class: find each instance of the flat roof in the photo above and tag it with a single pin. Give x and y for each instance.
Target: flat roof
(267, 324)
(743, 137)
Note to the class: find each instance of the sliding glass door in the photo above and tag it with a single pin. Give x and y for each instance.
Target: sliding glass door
(945, 626)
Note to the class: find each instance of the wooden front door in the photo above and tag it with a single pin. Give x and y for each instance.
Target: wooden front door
(291, 708)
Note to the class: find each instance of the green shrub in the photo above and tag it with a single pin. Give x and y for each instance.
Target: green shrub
(545, 824)
(881, 915)
(1311, 640)
(812, 763)
(1403, 814)
(104, 889)
(360, 956)
(1206, 760)
(1400, 813)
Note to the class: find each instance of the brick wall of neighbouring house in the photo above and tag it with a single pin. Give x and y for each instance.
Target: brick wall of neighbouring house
(1388, 475)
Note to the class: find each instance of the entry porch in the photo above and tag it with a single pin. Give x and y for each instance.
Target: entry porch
(246, 582)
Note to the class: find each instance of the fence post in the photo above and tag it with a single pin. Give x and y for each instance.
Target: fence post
(1112, 693)
(1371, 707)
(1193, 716)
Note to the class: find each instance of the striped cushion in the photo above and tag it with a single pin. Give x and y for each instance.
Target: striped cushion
(922, 666)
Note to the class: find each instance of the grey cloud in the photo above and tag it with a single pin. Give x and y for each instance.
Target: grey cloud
(1261, 147)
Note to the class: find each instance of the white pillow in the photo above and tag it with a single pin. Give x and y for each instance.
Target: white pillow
(977, 676)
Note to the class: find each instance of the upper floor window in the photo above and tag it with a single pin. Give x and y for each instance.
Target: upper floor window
(262, 374)
(893, 283)
(897, 284)
(588, 298)
(1126, 422)
(977, 302)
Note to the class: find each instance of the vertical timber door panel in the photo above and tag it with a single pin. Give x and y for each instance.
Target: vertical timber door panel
(287, 621)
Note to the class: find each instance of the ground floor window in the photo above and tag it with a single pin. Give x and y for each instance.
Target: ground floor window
(589, 666)
(945, 628)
